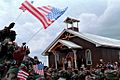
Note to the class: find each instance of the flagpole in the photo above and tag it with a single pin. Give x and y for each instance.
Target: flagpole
(18, 16)
(21, 13)
(34, 35)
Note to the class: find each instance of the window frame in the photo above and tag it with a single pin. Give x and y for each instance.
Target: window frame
(88, 57)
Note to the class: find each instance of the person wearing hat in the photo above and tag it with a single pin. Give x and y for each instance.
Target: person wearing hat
(6, 31)
(7, 37)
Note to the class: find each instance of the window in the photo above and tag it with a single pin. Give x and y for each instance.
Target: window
(88, 57)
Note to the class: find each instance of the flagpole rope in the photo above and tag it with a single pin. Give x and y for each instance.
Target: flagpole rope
(18, 16)
(34, 35)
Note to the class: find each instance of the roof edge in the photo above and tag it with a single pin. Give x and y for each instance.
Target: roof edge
(53, 42)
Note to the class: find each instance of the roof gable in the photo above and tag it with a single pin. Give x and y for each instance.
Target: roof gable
(95, 39)
(53, 43)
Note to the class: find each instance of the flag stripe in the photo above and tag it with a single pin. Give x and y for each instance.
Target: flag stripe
(21, 78)
(31, 10)
(47, 7)
(43, 17)
(22, 75)
(21, 71)
(41, 72)
(45, 10)
(37, 14)
(42, 10)
(35, 10)
(22, 8)
(34, 14)
(45, 14)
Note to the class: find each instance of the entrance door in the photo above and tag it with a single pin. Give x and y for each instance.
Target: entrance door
(81, 62)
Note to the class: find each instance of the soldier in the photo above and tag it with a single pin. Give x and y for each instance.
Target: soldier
(111, 74)
(6, 31)
(7, 36)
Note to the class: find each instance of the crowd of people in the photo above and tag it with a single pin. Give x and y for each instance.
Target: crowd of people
(14, 58)
(107, 71)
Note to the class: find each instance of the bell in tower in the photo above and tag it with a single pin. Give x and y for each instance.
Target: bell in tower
(71, 21)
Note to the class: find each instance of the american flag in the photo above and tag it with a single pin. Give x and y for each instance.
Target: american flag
(22, 75)
(39, 69)
(45, 14)
(23, 9)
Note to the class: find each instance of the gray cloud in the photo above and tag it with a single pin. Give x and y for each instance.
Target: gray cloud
(107, 24)
(97, 16)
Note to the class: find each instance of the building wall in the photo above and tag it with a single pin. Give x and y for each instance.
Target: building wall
(87, 45)
(105, 53)
(51, 60)
(97, 53)
(109, 54)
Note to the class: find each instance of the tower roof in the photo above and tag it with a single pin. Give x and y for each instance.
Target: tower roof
(70, 20)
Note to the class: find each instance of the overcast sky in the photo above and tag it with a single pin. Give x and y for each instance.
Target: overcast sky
(101, 17)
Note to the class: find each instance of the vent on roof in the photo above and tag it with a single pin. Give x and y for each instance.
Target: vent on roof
(71, 22)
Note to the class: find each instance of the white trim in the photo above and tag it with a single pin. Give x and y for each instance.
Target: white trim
(88, 56)
(83, 36)
(69, 44)
(49, 47)
(97, 40)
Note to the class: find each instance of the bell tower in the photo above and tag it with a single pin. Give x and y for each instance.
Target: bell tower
(71, 22)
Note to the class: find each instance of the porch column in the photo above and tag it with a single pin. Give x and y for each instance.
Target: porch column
(75, 57)
(55, 60)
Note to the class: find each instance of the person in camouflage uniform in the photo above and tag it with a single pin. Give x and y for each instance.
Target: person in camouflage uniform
(7, 47)
(9, 61)
(111, 74)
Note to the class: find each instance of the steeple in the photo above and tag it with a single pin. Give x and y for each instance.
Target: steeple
(72, 21)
